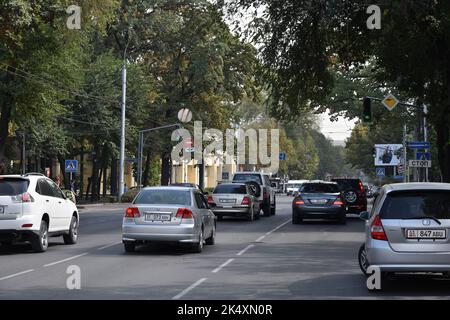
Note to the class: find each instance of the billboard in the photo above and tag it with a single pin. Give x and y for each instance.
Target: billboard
(388, 154)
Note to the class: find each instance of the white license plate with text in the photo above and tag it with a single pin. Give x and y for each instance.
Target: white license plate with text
(426, 234)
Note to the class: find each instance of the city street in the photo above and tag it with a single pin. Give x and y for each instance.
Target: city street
(269, 258)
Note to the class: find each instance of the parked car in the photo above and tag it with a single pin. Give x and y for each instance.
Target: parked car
(189, 185)
(169, 214)
(318, 200)
(32, 209)
(408, 230)
(353, 194)
(235, 199)
(267, 198)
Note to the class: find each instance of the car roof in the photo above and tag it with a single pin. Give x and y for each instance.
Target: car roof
(251, 172)
(321, 181)
(20, 176)
(231, 184)
(181, 188)
(416, 186)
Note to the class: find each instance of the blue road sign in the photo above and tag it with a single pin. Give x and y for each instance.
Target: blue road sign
(71, 166)
(381, 172)
(282, 156)
(419, 145)
(423, 156)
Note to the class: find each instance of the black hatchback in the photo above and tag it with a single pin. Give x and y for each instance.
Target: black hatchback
(318, 200)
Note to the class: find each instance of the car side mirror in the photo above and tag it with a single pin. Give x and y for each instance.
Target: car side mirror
(364, 215)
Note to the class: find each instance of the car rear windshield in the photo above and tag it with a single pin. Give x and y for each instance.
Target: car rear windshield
(294, 185)
(229, 188)
(248, 177)
(169, 197)
(346, 184)
(410, 204)
(13, 186)
(319, 188)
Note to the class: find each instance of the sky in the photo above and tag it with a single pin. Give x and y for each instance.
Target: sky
(337, 131)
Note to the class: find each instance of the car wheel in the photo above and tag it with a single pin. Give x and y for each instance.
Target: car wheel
(362, 259)
(198, 247)
(129, 247)
(212, 239)
(274, 208)
(72, 236)
(40, 242)
(258, 214)
(219, 218)
(343, 219)
(296, 219)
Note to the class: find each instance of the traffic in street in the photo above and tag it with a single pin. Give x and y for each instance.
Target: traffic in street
(270, 258)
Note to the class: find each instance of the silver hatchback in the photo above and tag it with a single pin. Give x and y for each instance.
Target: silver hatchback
(408, 230)
(169, 214)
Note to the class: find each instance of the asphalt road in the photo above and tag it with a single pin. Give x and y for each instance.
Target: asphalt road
(266, 259)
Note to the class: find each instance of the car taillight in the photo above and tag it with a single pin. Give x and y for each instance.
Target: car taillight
(210, 200)
(132, 212)
(377, 230)
(245, 201)
(299, 201)
(361, 187)
(338, 202)
(24, 197)
(184, 213)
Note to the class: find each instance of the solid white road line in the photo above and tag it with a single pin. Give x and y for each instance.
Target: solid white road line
(192, 286)
(110, 245)
(16, 274)
(68, 259)
(222, 265)
(240, 253)
(260, 238)
(281, 225)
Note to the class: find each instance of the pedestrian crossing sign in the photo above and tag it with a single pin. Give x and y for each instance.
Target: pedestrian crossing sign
(71, 166)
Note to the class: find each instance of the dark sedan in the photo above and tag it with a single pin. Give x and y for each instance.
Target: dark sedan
(318, 200)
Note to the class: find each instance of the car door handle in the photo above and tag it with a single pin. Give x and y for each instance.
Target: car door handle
(59, 201)
(47, 200)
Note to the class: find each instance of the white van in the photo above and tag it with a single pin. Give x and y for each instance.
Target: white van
(293, 185)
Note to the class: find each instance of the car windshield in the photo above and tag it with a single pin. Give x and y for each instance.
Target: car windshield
(319, 188)
(229, 188)
(248, 177)
(294, 185)
(164, 196)
(12, 186)
(418, 203)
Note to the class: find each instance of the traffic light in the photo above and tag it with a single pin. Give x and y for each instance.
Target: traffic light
(367, 112)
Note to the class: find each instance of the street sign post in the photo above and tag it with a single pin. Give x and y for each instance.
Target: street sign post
(420, 163)
(419, 145)
(381, 172)
(390, 102)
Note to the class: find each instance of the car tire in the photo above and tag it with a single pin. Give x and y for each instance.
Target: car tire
(219, 218)
(343, 219)
(274, 208)
(72, 236)
(40, 242)
(362, 259)
(251, 215)
(198, 247)
(258, 214)
(296, 219)
(129, 247)
(212, 239)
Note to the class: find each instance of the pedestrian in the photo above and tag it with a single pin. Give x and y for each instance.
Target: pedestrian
(125, 188)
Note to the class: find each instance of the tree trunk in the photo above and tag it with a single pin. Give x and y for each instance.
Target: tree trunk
(114, 177)
(5, 116)
(165, 170)
(443, 145)
(94, 176)
(146, 173)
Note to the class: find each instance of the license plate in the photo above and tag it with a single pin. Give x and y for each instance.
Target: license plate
(157, 217)
(2, 209)
(426, 234)
(319, 201)
(227, 200)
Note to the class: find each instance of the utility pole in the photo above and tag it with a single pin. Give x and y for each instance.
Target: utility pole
(122, 129)
(405, 155)
(24, 156)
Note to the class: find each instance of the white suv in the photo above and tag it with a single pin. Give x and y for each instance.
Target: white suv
(32, 208)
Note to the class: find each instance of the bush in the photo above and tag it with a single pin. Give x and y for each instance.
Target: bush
(129, 195)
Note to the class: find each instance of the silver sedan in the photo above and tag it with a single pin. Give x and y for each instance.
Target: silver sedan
(169, 214)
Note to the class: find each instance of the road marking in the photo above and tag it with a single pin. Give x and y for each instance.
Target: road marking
(223, 265)
(260, 238)
(68, 259)
(16, 274)
(192, 286)
(281, 225)
(240, 253)
(109, 245)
